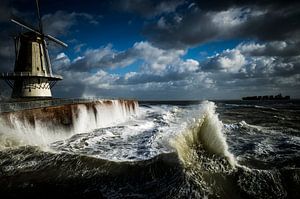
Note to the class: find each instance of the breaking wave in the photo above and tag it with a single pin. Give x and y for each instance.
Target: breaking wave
(162, 152)
(204, 134)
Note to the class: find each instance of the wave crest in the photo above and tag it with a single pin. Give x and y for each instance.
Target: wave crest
(206, 133)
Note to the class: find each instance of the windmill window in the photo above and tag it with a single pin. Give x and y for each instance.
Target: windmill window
(29, 90)
(37, 68)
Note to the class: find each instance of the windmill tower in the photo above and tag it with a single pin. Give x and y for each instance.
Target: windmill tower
(32, 76)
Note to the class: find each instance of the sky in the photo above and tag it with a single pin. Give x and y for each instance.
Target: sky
(164, 50)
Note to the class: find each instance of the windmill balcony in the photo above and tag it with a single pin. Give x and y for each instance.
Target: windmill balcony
(14, 75)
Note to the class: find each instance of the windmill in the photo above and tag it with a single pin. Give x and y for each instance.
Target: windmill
(32, 76)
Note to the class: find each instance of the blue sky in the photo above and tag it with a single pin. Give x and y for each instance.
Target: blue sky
(165, 50)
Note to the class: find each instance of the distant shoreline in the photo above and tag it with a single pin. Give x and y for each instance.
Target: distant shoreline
(278, 97)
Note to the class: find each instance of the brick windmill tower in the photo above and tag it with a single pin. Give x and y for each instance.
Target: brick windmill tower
(32, 76)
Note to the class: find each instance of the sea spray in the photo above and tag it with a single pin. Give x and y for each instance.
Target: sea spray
(204, 153)
(134, 158)
(40, 127)
(22, 133)
(206, 133)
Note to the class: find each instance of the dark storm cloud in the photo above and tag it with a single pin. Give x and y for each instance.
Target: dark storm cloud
(152, 8)
(7, 32)
(5, 10)
(281, 24)
(216, 5)
(7, 51)
(60, 22)
(199, 23)
(72, 85)
(148, 8)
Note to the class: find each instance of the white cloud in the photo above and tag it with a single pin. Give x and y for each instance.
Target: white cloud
(157, 60)
(160, 70)
(61, 62)
(190, 65)
(230, 18)
(167, 73)
(274, 48)
(247, 48)
(78, 58)
(231, 60)
(260, 66)
(228, 61)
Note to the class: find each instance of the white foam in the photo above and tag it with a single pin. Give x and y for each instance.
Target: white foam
(140, 138)
(206, 132)
(21, 133)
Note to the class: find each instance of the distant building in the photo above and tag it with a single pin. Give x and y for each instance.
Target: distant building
(266, 97)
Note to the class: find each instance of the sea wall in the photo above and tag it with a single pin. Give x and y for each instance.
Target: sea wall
(95, 114)
(32, 103)
(50, 123)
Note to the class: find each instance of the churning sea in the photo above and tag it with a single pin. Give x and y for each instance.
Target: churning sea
(205, 149)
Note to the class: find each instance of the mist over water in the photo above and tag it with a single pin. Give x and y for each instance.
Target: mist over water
(160, 150)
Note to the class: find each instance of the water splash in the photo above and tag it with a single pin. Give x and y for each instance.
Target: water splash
(133, 159)
(206, 132)
(204, 153)
(33, 128)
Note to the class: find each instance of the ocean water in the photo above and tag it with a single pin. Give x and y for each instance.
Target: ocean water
(222, 149)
